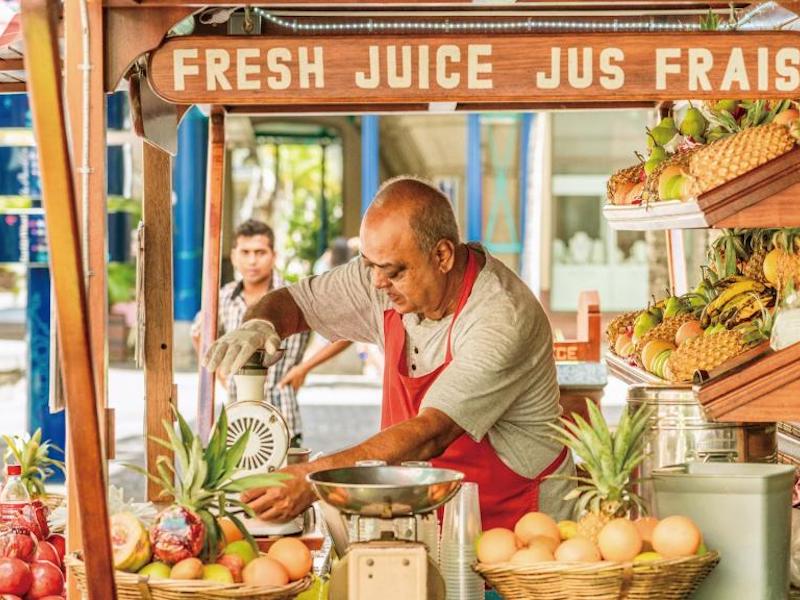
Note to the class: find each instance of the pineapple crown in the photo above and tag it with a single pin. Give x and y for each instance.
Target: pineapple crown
(207, 477)
(609, 458)
(787, 239)
(726, 251)
(33, 456)
(756, 112)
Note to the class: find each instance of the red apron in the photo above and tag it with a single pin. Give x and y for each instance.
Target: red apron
(504, 495)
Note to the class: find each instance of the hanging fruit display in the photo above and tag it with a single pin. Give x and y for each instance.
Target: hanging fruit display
(748, 271)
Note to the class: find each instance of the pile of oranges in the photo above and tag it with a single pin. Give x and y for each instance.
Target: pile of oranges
(537, 538)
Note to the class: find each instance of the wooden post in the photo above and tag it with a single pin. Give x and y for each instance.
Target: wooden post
(212, 238)
(43, 64)
(157, 217)
(676, 262)
(93, 221)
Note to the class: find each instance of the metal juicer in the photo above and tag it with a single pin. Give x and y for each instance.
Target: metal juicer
(268, 444)
(384, 567)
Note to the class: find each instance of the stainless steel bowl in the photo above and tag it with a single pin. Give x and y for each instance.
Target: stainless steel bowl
(386, 492)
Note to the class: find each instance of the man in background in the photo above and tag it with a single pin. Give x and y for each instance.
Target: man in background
(253, 257)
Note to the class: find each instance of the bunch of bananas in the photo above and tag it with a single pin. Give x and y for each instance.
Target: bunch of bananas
(738, 299)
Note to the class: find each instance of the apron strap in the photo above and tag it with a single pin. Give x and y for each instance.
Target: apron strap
(470, 275)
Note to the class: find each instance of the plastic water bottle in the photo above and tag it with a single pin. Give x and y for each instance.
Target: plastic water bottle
(14, 497)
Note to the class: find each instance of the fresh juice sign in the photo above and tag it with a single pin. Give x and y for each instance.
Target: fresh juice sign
(488, 68)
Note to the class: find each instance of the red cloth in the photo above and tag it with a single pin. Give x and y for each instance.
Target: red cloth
(504, 495)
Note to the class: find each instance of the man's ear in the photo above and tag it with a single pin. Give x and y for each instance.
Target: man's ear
(445, 255)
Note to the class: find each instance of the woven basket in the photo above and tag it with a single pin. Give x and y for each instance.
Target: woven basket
(131, 586)
(657, 580)
(52, 501)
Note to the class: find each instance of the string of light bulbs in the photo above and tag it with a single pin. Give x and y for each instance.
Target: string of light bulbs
(512, 26)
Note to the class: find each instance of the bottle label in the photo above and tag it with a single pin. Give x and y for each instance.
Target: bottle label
(10, 511)
(31, 516)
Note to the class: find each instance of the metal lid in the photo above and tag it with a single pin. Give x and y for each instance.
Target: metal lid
(661, 394)
(254, 365)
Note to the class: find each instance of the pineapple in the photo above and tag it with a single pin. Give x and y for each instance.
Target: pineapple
(665, 331)
(34, 458)
(622, 181)
(207, 476)
(759, 242)
(719, 162)
(620, 324)
(787, 269)
(727, 251)
(609, 459)
(708, 352)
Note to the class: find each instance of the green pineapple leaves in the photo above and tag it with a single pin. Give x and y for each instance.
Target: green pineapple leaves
(207, 477)
(33, 456)
(608, 457)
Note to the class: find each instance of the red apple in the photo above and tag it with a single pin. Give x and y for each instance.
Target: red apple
(15, 576)
(17, 543)
(60, 544)
(46, 551)
(48, 580)
(52, 598)
(235, 564)
(9, 597)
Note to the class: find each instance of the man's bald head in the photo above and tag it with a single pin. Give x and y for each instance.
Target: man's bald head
(427, 210)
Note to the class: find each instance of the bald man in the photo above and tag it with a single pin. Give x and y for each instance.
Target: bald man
(469, 380)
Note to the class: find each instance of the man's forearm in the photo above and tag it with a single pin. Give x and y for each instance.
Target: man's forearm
(424, 437)
(279, 308)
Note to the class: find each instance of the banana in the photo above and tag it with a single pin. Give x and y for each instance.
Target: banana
(733, 290)
(729, 281)
(749, 310)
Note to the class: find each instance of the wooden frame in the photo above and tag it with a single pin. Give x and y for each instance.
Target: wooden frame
(131, 28)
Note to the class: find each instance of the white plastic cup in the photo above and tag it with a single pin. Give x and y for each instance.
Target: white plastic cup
(460, 530)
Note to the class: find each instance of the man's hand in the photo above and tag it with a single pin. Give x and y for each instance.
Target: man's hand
(230, 352)
(296, 377)
(282, 504)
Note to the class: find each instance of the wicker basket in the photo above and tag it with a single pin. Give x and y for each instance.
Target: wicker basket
(131, 586)
(662, 579)
(52, 501)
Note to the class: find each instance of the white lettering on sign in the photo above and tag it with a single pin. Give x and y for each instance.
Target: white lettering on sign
(217, 62)
(700, 63)
(282, 78)
(786, 63)
(476, 68)
(580, 69)
(664, 67)
(445, 54)
(180, 69)
(244, 69)
(735, 72)
(309, 68)
(408, 68)
(613, 76)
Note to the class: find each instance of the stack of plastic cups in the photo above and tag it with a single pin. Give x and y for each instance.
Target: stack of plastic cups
(426, 529)
(462, 526)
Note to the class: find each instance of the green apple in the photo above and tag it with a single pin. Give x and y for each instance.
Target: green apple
(219, 573)
(694, 123)
(645, 321)
(155, 570)
(241, 548)
(729, 106)
(701, 549)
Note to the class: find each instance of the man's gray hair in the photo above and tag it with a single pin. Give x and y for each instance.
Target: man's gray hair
(431, 214)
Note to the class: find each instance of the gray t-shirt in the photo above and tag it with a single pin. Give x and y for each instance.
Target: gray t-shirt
(502, 380)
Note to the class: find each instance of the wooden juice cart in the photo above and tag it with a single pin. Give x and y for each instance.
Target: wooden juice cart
(342, 57)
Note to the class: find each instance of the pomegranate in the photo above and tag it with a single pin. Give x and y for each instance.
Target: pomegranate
(9, 597)
(60, 544)
(17, 542)
(177, 533)
(15, 576)
(48, 580)
(46, 551)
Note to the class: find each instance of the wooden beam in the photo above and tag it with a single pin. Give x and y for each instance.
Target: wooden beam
(158, 314)
(39, 25)
(131, 33)
(17, 87)
(92, 212)
(212, 244)
(12, 64)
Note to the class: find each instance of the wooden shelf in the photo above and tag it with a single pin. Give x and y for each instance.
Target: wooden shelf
(768, 196)
(766, 389)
